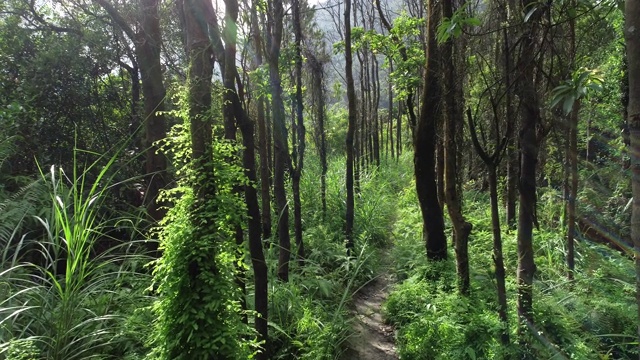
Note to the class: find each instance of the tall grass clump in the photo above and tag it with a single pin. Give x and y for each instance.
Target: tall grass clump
(61, 295)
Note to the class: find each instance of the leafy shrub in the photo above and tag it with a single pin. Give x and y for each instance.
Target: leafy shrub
(22, 350)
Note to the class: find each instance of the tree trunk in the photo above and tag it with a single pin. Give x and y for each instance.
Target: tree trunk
(351, 98)
(254, 224)
(440, 164)
(265, 196)
(390, 91)
(228, 65)
(453, 117)
(512, 154)
(530, 120)
(300, 133)
(276, 16)
(399, 131)
(375, 104)
(498, 259)
(317, 74)
(512, 182)
(425, 146)
(573, 162)
(148, 45)
(632, 36)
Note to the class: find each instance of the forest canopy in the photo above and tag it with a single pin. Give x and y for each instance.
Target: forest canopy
(294, 179)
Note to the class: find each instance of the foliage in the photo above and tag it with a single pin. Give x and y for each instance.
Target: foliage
(578, 320)
(452, 27)
(582, 82)
(62, 294)
(198, 310)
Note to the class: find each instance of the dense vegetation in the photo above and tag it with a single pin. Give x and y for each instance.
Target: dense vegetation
(203, 180)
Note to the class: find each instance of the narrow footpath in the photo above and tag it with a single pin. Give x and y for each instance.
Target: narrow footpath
(372, 339)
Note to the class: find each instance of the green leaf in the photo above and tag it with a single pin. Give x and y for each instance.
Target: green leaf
(567, 106)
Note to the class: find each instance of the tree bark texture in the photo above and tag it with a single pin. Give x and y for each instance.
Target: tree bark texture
(453, 123)
(530, 120)
(425, 146)
(265, 192)
(148, 45)
(351, 98)
(281, 150)
(299, 135)
(573, 163)
(317, 74)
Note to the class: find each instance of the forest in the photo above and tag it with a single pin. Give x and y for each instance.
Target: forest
(319, 179)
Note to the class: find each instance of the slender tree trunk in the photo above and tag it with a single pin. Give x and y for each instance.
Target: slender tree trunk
(270, 149)
(512, 153)
(573, 162)
(254, 224)
(440, 165)
(265, 196)
(453, 117)
(258, 262)
(375, 105)
(319, 106)
(512, 182)
(399, 131)
(275, 24)
(498, 259)
(390, 91)
(530, 120)
(351, 97)
(300, 135)
(632, 36)
(425, 147)
(148, 45)
(229, 35)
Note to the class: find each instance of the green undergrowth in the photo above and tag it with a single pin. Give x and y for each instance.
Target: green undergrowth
(73, 288)
(309, 315)
(592, 317)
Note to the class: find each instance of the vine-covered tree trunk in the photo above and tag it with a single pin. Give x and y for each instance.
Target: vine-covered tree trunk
(351, 98)
(425, 147)
(632, 36)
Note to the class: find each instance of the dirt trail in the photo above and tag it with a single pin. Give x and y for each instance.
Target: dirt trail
(372, 339)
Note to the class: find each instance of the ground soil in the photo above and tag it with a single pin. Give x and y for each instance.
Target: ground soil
(372, 338)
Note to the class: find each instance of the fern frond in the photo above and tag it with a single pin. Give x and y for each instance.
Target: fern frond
(29, 201)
